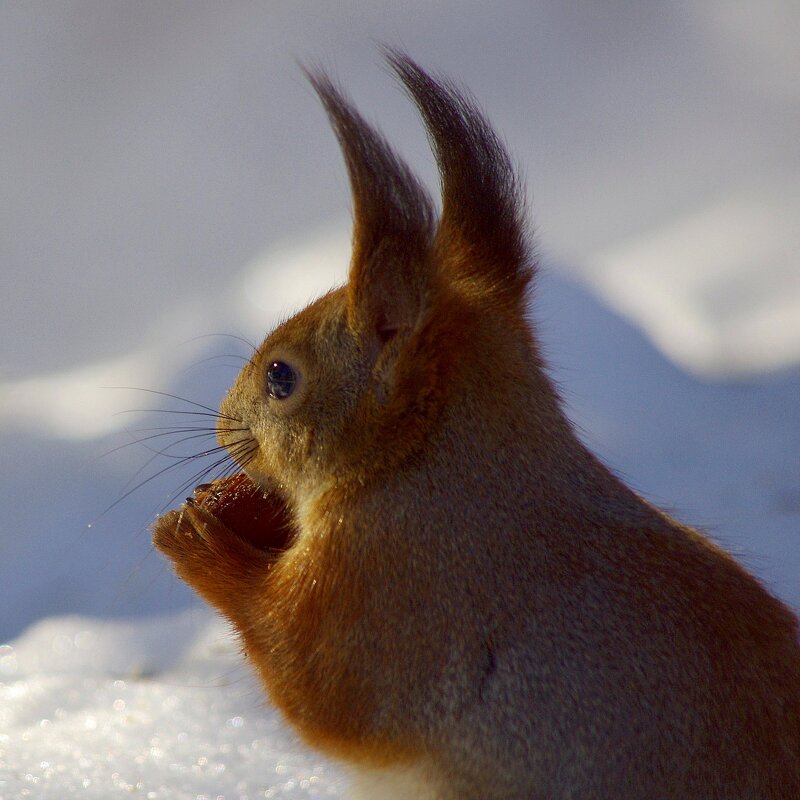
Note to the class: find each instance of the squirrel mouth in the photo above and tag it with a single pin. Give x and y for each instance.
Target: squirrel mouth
(260, 518)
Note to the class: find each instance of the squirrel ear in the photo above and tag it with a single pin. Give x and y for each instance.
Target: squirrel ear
(393, 223)
(482, 233)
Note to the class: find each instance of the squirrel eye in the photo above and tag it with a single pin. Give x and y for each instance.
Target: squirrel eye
(281, 380)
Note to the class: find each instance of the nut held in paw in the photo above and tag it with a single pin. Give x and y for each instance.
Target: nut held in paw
(260, 518)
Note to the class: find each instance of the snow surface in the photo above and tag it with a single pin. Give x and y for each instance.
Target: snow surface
(169, 181)
(159, 708)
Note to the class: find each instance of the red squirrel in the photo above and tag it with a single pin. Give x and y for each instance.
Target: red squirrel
(439, 585)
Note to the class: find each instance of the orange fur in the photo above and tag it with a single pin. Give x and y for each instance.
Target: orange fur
(470, 597)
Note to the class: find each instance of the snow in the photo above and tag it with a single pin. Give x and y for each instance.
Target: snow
(153, 709)
(717, 290)
(170, 183)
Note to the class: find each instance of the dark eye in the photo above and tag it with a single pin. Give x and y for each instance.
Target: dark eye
(281, 380)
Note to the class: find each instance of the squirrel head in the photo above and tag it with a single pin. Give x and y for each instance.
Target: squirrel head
(432, 313)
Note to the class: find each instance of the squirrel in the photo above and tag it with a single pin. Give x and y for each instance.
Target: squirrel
(455, 597)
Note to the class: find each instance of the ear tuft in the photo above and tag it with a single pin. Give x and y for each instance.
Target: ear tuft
(393, 222)
(483, 231)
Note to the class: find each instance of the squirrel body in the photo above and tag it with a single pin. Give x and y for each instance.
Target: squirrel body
(471, 605)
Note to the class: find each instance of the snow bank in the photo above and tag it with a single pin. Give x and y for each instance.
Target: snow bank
(156, 709)
(717, 290)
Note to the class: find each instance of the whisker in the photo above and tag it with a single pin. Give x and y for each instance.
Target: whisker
(227, 336)
(174, 397)
(129, 492)
(135, 475)
(169, 431)
(166, 442)
(166, 431)
(214, 415)
(178, 429)
(175, 464)
(217, 358)
(141, 441)
(166, 450)
(229, 467)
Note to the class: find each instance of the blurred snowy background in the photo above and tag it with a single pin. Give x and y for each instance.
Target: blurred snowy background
(166, 177)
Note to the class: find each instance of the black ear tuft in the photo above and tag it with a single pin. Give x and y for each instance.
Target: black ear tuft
(483, 230)
(393, 216)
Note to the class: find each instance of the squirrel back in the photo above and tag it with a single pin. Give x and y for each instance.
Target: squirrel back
(470, 604)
